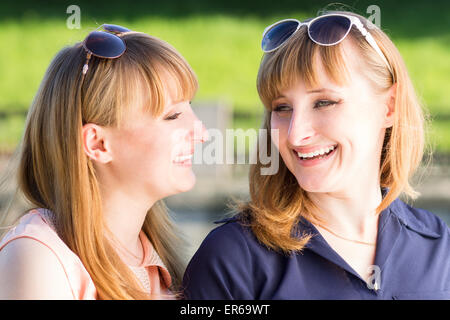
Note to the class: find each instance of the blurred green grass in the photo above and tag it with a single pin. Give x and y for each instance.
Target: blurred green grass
(221, 42)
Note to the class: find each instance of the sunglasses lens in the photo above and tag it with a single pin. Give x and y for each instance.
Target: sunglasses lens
(277, 35)
(113, 28)
(329, 30)
(105, 45)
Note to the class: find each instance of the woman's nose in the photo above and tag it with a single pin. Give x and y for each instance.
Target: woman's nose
(300, 128)
(199, 132)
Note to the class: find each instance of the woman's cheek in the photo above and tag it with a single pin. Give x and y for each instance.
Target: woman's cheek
(277, 124)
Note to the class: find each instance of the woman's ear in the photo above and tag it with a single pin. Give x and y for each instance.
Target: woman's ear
(95, 143)
(390, 106)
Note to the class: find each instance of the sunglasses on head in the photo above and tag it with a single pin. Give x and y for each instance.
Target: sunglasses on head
(104, 44)
(326, 30)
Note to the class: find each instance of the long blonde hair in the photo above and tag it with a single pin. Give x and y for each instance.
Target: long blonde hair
(277, 202)
(55, 173)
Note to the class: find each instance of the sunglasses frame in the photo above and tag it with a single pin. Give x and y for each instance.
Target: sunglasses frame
(111, 29)
(354, 21)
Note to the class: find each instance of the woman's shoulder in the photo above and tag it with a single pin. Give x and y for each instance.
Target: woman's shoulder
(36, 224)
(33, 248)
(220, 267)
(31, 225)
(233, 240)
(420, 220)
(232, 233)
(29, 265)
(29, 270)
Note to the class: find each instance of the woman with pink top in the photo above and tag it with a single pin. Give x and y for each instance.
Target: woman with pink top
(109, 134)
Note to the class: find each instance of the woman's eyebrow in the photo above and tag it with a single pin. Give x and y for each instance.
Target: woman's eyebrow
(279, 97)
(321, 90)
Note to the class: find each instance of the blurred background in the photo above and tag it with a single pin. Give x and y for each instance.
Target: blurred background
(221, 41)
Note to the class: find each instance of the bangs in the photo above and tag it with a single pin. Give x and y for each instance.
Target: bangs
(172, 81)
(153, 76)
(298, 60)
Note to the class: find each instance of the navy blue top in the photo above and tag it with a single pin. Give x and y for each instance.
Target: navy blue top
(412, 253)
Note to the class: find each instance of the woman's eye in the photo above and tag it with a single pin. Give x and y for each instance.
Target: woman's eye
(282, 109)
(173, 116)
(324, 103)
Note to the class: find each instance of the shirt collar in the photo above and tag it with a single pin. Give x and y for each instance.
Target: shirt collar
(398, 208)
(407, 217)
(151, 258)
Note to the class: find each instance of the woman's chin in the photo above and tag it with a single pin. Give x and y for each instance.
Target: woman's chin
(313, 185)
(186, 183)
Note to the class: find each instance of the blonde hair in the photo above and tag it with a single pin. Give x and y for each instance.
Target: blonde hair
(277, 202)
(55, 173)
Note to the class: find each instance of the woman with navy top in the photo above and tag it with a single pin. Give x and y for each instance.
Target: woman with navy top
(329, 223)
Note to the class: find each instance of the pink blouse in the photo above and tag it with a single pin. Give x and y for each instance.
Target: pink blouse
(37, 225)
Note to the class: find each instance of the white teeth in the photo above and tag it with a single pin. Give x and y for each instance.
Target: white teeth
(316, 153)
(183, 158)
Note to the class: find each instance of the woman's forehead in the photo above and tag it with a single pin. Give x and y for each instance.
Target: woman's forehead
(325, 74)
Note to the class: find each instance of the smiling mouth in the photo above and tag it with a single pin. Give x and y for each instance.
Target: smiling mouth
(319, 154)
(183, 159)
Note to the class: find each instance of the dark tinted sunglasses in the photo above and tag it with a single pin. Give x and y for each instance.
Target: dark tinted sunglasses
(104, 44)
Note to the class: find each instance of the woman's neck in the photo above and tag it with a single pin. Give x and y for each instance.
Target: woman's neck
(124, 217)
(350, 213)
